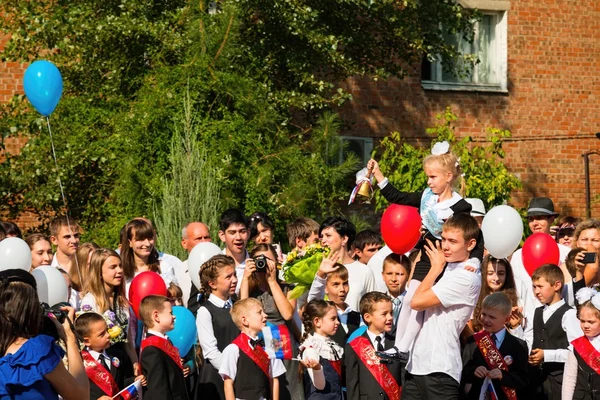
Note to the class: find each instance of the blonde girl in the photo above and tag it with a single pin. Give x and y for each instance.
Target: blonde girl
(321, 356)
(436, 203)
(216, 329)
(105, 295)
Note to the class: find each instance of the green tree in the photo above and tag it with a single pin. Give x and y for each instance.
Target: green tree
(486, 176)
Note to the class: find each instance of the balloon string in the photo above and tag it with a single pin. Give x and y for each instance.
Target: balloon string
(64, 199)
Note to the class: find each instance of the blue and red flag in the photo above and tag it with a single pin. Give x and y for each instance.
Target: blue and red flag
(278, 341)
(130, 392)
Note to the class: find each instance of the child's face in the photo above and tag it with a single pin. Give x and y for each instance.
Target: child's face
(41, 254)
(235, 238)
(265, 234)
(337, 289)
(225, 284)
(165, 320)
(496, 276)
(67, 240)
(394, 276)
(544, 291)
(590, 323)
(333, 240)
(381, 319)
(438, 179)
(256, 318)
(454, 245)
(142, 247)
(112, 271)
(367, 252)
(493, 320)
(328, 324)
(98, 338)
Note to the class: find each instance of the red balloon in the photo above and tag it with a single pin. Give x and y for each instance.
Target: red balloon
(145, 284)
(401, 228)
(539, 249)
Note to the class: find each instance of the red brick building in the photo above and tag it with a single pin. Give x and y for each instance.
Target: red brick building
(544, 58)
(539, 78)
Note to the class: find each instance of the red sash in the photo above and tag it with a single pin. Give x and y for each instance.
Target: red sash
(493, 358)
(337, 366)
(166, 346)
(366, 353)
(99, 375)
(256, 354)
(587, 352)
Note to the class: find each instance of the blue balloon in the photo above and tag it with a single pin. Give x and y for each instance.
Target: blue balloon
(43, 86)
(184, 334)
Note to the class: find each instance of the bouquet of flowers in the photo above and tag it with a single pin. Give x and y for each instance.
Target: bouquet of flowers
(301, 267)
(115, 332)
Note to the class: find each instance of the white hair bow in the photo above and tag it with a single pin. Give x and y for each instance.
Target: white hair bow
(440, 148)
(587, 294)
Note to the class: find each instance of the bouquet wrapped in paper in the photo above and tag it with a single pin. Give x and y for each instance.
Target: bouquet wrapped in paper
(300, 268)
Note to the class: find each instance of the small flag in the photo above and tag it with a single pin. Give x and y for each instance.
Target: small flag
(130, 392)
(278, 342)
(487, 390)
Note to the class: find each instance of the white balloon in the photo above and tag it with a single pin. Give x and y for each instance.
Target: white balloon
(201, 253)
(14, 254)
(502, 229)
(51, 285)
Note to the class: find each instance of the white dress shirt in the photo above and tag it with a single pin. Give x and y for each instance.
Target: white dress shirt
(373, 338)
(206, 334)
(567, 323)
(155, 333)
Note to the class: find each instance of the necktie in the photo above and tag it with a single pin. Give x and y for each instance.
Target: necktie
(227, 306)
(379, 345)
(102, 361)
(257, 342)
(495, 339)
(396, 303)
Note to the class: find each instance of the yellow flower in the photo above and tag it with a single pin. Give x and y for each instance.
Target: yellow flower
(114, 332)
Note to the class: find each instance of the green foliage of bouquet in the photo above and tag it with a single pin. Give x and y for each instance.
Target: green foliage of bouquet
(301, 267)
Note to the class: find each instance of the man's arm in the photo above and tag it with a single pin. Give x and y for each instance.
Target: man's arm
(425, 297)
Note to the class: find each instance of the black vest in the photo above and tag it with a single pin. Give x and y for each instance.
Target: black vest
(223, 327)
(588, 381)
(250, 381)
(353, 322)
(550, 335)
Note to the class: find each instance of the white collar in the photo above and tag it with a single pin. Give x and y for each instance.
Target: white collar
(372, 336)
(346, 311)
(155, 333)
(400, 296)
(217, 301)
(97, 355)
(555, 306)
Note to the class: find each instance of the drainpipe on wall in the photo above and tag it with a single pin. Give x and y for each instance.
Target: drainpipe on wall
(588, 194)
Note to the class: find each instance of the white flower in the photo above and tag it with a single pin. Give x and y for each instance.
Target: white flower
(440, 148)
(585, 294)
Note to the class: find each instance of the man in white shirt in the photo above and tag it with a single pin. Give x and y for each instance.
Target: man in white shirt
(338, 233)
(191, 234)
(64, 234)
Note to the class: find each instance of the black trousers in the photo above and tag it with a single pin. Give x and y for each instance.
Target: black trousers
(436, 386)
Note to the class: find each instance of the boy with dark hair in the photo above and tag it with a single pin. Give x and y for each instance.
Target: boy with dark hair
(434, 368)
(64, 234)
(365, 245)
(549, 350)
(234, 232)
(246, 369)
(302, 232)
(367, 377)
(396, 270)
(332, 280)
(104, 365)
(338, 234)
(160, 360)
(494, 355)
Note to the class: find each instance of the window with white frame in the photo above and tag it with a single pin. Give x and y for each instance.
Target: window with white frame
(489, 48)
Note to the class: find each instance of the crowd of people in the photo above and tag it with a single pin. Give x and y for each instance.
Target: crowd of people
(446, 320)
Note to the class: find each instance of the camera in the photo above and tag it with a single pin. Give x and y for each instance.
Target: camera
(48, 327)
(261, 263)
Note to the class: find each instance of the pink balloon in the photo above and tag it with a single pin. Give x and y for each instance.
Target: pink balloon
(401, 228)
(539, 249)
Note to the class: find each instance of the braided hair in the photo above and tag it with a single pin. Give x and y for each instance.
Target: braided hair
(210, 270)
(314, 309)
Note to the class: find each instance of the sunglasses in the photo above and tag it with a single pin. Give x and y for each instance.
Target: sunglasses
(565, 232)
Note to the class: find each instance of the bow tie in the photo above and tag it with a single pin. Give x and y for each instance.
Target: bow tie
(257, 342)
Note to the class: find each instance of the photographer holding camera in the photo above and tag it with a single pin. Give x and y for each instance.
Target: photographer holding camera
(31, 364)
(260, 281)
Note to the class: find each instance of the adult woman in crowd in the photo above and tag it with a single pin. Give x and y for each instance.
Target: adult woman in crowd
(587, 237)
(262, 231)
(41, 250)
(31, 364)
(565, 231)
(264, 285)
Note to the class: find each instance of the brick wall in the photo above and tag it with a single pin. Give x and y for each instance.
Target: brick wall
(552, 108)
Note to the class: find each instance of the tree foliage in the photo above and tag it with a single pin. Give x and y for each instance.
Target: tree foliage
(486, 176)
(258, 76)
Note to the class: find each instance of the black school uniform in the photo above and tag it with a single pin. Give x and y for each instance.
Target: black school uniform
(210, 383)
(515, 353)
(360, 383)
(587, 385)
(547, 378)
(413, 199)
(118, 369)
(164, 376)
